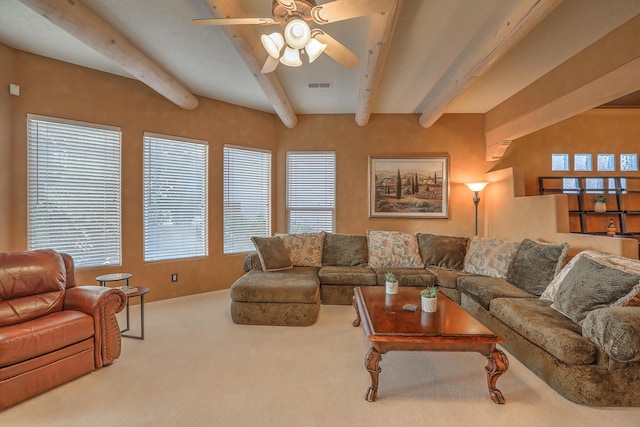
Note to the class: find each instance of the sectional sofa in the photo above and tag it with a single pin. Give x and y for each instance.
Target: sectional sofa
(577, 326)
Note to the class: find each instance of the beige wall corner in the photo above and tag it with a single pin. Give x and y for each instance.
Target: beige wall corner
(540, 217)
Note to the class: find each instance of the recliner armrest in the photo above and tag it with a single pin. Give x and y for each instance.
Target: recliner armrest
(616, 330)
(102, 303)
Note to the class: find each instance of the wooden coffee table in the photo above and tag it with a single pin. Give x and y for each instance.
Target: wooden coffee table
(390, 328)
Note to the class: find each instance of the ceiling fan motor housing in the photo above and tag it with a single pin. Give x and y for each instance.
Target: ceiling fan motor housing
(302, 11)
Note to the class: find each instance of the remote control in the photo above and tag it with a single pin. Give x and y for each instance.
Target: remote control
(410, 307)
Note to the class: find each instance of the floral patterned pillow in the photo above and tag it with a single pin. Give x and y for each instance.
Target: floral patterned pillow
(490, 257)
(305, 249)
(395, 249)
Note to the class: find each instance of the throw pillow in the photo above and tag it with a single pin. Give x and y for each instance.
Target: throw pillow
(345, 250)
(393, 249)
(443, 251)
(489, 257)
(535, 264)
(305, 249)
(272, 253)
(593, 284)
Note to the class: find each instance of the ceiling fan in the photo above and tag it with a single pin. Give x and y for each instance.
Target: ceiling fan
(298, 37)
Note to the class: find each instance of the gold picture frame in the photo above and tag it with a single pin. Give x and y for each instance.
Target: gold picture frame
(409, 186)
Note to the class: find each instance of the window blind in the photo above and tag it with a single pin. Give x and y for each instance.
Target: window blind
(247, 197)
(311, 191)
(175, 198)
(74, 189)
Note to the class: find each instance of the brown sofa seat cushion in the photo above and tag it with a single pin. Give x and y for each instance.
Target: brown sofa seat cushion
(297, 284)
(411, 277)
(447, 278)
(483, 289)
(536, 321)
(34, 338)
(354, 276)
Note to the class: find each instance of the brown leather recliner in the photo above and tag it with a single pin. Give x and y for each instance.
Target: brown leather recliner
(50, 330)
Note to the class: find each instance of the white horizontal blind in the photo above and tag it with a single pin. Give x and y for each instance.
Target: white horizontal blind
(311, 191)
(74, 189)
(247, 197)
(175, 198)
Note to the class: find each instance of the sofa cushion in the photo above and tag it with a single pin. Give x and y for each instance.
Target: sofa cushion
(616, 330)
(345, 250)
(447, 278)
(393, 249)
(297, 284)
(442, 251)
(272, 253)
(535, 264)
(305, 249)
(412, 277)
(483, 289)
(353, 276)
(45, 334)
(593, 283)
(489, 257)
(536, 321)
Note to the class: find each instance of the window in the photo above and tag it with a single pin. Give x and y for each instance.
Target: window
(628, 162)
(311, 191)
(582, 162)
(247, 197)
(74, 189)
(559, 162)
(606, 162)
(175, 198)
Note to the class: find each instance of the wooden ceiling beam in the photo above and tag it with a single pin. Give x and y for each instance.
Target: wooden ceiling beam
(482, 53)
(82, 23)
(248, 45)
(382, 26)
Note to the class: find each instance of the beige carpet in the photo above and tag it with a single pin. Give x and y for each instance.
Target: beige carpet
(197, 368)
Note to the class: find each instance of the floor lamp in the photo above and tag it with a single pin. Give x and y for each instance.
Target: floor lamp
(476, 187)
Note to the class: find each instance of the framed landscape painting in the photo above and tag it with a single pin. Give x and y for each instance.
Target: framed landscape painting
(409, 187)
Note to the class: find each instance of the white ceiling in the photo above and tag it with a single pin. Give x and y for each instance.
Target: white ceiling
(429, 37)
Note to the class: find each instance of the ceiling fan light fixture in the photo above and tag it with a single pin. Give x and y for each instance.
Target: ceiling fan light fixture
(291, 57)
(273, 44)
(297, 33)
(314, 49)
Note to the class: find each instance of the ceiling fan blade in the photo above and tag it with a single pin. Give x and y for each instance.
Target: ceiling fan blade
(269, 65)
(234, 21)
(339, 52)
(340, 10)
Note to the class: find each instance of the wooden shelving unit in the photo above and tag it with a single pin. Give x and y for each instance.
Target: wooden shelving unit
(623, 201)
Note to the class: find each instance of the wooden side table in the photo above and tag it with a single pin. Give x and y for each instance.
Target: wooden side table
(140, 292)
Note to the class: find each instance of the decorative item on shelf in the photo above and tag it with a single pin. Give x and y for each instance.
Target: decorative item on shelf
(429, 297)
(391, 283)
(476, 187)
(600, 204)
(611, 228)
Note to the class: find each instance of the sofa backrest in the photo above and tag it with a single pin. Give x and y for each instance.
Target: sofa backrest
(32, 285)
(346, 250)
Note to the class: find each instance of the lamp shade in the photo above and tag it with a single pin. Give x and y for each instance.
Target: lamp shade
(314, 49)
(291, 57)
(297, 33)
(476, 186)
(273, 44)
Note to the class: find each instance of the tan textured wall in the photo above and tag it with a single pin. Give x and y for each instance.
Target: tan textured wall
(461, 136)
(6, 107)
(58, 89)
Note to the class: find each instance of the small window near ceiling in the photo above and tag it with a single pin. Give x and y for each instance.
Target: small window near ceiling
(582, 162)
(628, 162)
(570, 185)
(594, 185)
(559, 162)
(606, 162)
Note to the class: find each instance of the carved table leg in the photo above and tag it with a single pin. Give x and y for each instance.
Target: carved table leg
(498, 365)
(355, 305)
(372, 363)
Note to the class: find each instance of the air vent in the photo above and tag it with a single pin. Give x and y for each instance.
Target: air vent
(319, 85)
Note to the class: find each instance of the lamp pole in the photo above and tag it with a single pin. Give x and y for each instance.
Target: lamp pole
(476, 200)
(476, 187)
